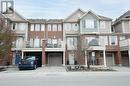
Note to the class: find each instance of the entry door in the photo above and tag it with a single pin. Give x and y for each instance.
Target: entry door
(55, 59)
(110, 59)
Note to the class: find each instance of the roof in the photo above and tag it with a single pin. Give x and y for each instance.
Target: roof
(54, 21)
(37, 20)
(104, 18)
(125, 16)
(16, 17)
(98, 16)
(75, 16)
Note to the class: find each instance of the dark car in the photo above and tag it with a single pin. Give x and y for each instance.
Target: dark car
(29, 62)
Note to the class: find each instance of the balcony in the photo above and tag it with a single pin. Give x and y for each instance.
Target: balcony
(53, 45)
(124, 44)
(49, 47)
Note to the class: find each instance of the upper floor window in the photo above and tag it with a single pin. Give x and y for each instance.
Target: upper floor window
(113, 40)
(22, 26)
(122, 37)
(37, 27)
(14, 25)
(102, 24)
(54, 27)
(42, 27)
(75, 27)
(72, 43)
(32, 27)
(37, 42)
(49, 27)
(89, 23)
(59, 27)
(67, 26)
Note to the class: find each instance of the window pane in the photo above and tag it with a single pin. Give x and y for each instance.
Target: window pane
(72, 43)
(22, 26)
(89, 23)
(36, 42)
(49, 41)
(54, 27)
(32, 27)
(31, 42)
(59, 28)
(49, 27)
(42, 27)
(113, 40)
(75, 27)
(37, 27)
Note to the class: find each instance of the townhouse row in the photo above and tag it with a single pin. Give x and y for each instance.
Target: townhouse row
(81, 37)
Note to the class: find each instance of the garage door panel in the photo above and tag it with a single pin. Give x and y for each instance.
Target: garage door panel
(55, 59)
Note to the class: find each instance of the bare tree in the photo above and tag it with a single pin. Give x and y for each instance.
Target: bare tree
(6, 39)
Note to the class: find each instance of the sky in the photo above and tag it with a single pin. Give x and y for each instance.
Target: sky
(59, 9)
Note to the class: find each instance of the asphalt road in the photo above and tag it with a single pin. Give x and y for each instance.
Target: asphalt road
(65, 79)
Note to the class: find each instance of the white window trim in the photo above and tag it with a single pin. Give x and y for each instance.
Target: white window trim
(39, 27)
(49, 27)
(42, 27)
(89, 23)
(32, 29)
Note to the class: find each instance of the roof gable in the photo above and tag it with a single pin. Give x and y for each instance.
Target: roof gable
(90, 12)
(75, 16)
(15, 17)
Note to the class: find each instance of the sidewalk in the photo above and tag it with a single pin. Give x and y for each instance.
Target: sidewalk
(121, 69)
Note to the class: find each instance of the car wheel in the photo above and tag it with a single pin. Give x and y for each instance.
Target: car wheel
(35, 66)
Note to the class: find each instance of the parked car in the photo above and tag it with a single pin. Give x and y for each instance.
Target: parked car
(29, 62)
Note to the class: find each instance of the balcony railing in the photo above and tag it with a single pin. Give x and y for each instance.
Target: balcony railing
(124, 43)
(53, 46)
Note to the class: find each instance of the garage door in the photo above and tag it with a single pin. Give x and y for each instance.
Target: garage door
(125, 59)
(110, 59)
(55, 59)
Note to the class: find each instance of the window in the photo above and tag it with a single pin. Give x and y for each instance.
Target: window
(102, 24)
(75, 27)
(14, 25)
(42, 27)
(84, 24)
(122, 37)
(32, 27)
(36, 42)
(37, 27)
(72, 43)
(67, 26)
(54, 27)
(49, 41)
(113, 40)
(49, 27)
(59, 27)
(31, 42)
(22, 26)
(89, 23)
(103, 40)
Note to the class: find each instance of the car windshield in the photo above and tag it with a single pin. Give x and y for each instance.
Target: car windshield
(30, 58)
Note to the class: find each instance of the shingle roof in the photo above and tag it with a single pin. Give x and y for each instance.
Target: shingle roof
(104, 18)
(37, 20)
(55, 21)
(15, 16)
(124, 16)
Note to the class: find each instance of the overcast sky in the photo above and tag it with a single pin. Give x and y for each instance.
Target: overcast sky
(51, 9)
